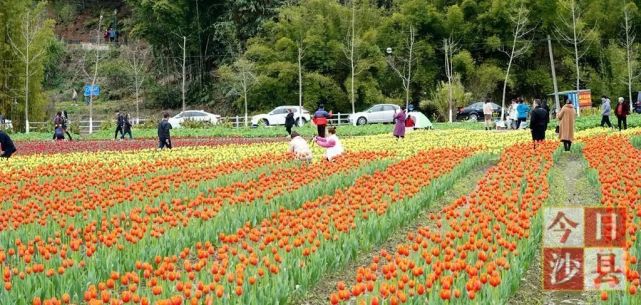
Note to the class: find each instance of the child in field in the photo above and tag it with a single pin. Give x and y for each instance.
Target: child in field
(299, 148)
(331, 143)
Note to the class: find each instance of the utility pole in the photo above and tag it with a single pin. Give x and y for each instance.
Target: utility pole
(557, 104)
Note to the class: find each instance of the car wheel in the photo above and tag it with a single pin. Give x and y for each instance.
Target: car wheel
(298, 122)
(473, 117)
(263, 122)
(361, 121)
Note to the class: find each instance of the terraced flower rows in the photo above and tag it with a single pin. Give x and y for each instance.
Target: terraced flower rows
(245, 224)
(618, 173)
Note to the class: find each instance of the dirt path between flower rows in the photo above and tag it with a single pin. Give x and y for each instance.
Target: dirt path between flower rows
(319, 295)
(569, 186)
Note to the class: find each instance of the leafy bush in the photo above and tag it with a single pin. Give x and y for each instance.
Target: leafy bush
(195, 124)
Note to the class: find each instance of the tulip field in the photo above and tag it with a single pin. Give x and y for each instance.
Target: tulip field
(238, 221)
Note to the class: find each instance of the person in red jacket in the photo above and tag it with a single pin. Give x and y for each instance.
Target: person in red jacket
(320, 120)
(409, 123)
(622, 111)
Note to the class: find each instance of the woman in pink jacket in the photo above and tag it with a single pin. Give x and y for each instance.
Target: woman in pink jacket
(331, 143)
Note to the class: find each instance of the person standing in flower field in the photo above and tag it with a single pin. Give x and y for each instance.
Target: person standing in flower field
(522, 110)
(127, 127)
(487, 114)
(399, 123)
(538, 122)
(566, 118)
(331, 143)
(409, 123)
(298, 146)
(606, 108)
(120, 125)
(512, 117)
(622, 111)
(164, 137)
(320, 120)
(6, 146)
(289, 121)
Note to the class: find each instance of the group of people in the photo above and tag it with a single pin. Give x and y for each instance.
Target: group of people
(621, 111)
(111, 35)
(123, 125)
(299, 147)
(540, 118)
(61, 125)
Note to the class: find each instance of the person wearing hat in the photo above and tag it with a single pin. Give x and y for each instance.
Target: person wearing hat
(299, 148)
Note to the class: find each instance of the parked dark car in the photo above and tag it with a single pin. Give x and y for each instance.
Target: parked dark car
(475, 111)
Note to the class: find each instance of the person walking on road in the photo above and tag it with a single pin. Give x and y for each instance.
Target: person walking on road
(487, 114)
(622, 111)
(538, 122)
(7, 148)
(399, 124)
(605, 111)
(164, 137)
(289, 121)
(566, 118)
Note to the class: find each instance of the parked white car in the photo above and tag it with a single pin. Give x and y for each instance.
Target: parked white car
(194, 115)
(381, 113)
(277, 116)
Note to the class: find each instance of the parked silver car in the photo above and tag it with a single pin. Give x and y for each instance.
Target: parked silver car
(381, 113)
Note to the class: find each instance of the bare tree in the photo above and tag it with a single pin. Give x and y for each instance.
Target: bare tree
(449, 48)
(351, 52)
(628, 43)
(137, 58)
(405, 72)
(575, 33)
(95, 73)
(29, 48)
(520, 45)
(299, 57)
(240, 77)
(184, 76)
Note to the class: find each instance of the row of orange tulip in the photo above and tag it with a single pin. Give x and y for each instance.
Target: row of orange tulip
(618, 171)
(472, 246)
(82, 250)
(264, 263)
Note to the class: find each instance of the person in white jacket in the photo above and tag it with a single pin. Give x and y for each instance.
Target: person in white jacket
(298, 146)
(333, 145)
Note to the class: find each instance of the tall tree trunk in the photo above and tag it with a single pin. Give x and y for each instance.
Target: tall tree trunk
(507, 76)
(300, 85)
(352, 56)
(576, 59)
(184, 70)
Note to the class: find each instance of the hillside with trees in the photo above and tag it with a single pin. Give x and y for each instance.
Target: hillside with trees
(348, 54)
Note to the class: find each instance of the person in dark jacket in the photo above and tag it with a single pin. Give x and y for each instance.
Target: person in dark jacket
(622, 111)
(164, 137)
(65, 124)
(539, 120)
(59, 127)
(127, 127)
(289, 121)
(120, 125)
(320, 119)
(6, 146)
